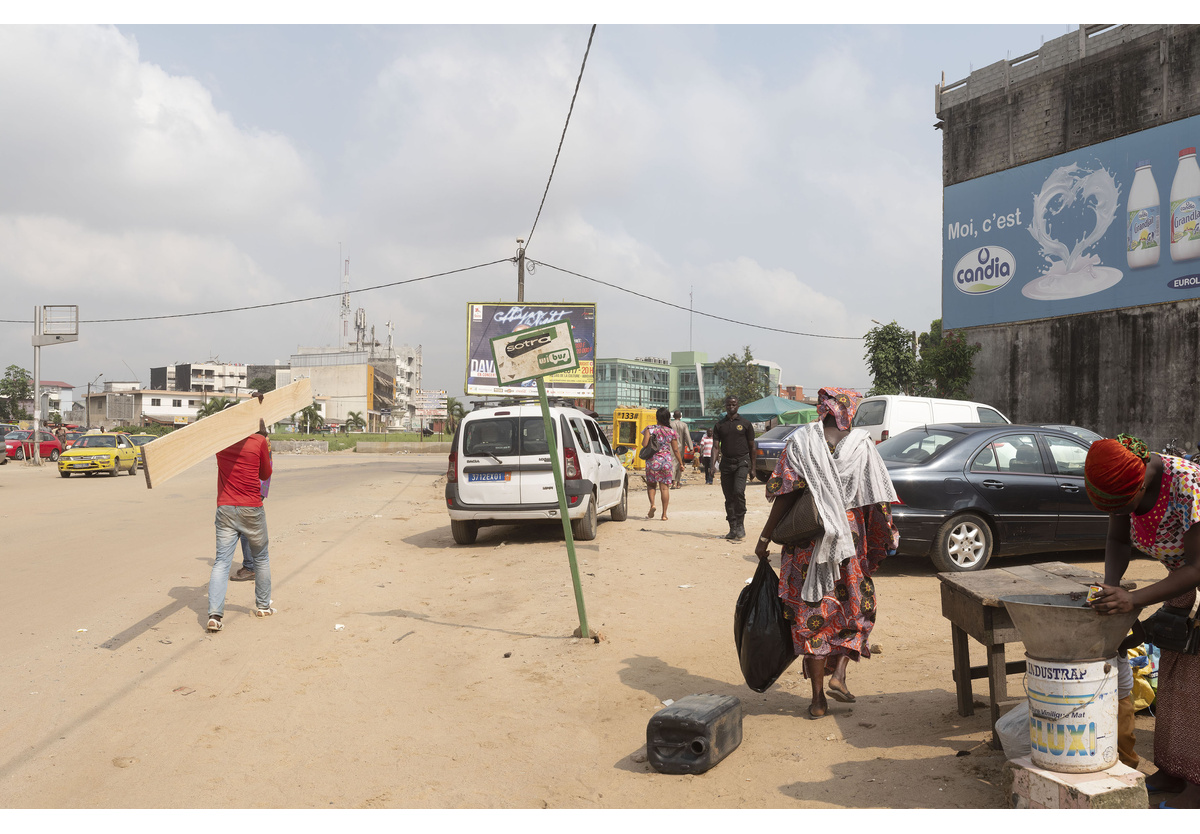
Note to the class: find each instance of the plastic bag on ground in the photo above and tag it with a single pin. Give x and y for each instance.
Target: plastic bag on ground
(1013, 729)
(762, 635)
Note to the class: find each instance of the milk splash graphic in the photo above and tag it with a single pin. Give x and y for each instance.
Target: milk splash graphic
(1071, 273)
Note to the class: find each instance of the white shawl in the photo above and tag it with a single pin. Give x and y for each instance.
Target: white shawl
(854, 476)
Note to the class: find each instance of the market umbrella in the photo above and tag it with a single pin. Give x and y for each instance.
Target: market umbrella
(765, 409)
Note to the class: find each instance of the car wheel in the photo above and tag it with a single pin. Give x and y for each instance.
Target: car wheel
(584, 529)
(20, 455)
(116, 470)
(763, 476)
(963, 544)
(64, 473)
(133, 467)
(464, 532)
(54, 456)
(621, 511)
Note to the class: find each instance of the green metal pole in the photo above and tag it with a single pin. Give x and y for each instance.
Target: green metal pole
(562, 507)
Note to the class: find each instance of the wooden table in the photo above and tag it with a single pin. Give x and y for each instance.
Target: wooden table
(971, 602)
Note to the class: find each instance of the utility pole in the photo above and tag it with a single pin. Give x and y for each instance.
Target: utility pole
(520, 270)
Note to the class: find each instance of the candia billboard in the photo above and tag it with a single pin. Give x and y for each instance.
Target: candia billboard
(487, 321)
(1108, 226)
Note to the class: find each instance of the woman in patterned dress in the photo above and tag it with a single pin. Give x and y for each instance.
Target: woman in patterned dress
(660, 469)
(826, 584)
(1153, 503)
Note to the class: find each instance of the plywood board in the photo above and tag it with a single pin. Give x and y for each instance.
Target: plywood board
(184, 448)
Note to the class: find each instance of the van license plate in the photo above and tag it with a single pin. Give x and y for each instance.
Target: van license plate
(489, 476)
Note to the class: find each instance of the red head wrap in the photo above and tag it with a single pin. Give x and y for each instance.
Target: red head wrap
(1112, 474)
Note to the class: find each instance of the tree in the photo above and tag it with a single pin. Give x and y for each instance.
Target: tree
(211, 407)
(16, 386)
(890, 360)
(310, 418)
(947, 363)
(454, 413)
(262, 384)
(740, 378)
(354, 420)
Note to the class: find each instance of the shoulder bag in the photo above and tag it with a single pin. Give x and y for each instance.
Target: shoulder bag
(651, 448)
(801, 522)
(1174, 629)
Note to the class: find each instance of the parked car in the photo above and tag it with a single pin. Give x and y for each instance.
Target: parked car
(887, 415)
(18, 445)
(141, 440)
(768, 446)
(68, 439)
(499, 471)
(971, 491)
(108, 452)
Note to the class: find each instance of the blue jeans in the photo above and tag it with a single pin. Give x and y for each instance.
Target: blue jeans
(250, 523)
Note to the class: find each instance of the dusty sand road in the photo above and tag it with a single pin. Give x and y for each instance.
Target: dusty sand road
(455, 682)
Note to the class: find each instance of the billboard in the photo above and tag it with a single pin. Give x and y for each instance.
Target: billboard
(1108, 226)
(489, 320)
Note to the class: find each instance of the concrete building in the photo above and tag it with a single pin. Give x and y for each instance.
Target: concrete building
(201, 377)
(688, 382)
(116, 406)
(1121, 367)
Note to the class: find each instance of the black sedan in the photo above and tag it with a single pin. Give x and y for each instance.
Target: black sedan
(768, 446)
(969, 491)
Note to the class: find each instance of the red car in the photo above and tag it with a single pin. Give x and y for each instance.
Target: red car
(18, 445)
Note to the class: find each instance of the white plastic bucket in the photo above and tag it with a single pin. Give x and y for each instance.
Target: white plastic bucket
(1072, 714)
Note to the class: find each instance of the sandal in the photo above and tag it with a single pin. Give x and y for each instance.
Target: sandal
(263, 612)
(650, 514)
(214, 624)
(839, 692)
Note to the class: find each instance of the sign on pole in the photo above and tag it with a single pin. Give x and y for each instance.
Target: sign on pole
(532, 354)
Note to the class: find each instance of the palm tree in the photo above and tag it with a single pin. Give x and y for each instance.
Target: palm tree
(354, 420)
(454, 413)
(311, 417)
(211, 407)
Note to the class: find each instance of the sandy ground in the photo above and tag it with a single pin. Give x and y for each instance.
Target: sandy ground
(404, 671)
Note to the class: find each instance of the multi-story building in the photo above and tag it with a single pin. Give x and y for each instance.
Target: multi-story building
(379, 385)
(200, 377)
(688, 383)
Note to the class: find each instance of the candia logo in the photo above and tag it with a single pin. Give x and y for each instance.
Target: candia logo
(984, 270)
(531, 342)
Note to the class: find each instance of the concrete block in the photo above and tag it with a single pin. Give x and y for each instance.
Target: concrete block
(1032, 787)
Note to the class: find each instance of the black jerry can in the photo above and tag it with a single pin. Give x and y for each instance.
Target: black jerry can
(694, 733)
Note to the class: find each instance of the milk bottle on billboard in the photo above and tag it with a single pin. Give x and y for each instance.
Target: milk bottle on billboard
(1143, 234)
(1185, 208)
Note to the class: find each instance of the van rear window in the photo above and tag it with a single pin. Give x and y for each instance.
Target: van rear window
(870, 413)
(502, 436)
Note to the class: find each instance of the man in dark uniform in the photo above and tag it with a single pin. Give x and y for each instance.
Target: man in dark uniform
(733, 453)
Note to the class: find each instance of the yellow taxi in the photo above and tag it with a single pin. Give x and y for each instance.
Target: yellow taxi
(141, 440)
(109, 452)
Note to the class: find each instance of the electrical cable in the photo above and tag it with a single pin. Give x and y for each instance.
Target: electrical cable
(279, 303)
(697, 312)
(578, 80)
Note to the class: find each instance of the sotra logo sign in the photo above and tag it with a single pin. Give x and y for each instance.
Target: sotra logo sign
(984, 270)
(531, 342)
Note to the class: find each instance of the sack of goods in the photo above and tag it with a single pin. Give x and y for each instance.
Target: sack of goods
(761, 632)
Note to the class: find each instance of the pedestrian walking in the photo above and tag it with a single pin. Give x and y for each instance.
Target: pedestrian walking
(659, 470)
(733, 443)
(241, 469)
(685, 443)
(706, 447)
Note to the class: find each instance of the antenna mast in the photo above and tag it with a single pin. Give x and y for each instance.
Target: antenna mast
(345, 299)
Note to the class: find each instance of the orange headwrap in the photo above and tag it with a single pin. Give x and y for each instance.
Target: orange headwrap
(1112, 474)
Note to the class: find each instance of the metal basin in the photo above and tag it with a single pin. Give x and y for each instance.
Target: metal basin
(1056, 627)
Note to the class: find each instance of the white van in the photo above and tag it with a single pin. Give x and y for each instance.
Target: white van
(500, 472)
(887, 415)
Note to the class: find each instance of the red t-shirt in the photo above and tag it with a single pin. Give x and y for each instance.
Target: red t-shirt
(241, 469)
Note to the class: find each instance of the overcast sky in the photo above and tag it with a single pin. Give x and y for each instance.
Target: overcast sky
(785, 176)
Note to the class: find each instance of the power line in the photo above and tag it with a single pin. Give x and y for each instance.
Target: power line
(278, 303)
(529, 237)
(696, 312)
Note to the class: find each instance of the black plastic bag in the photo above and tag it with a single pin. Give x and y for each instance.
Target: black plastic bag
(762, 634)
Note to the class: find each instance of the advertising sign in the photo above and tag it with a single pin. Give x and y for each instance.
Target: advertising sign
(1108, 226)
(529, 354)
(485, 322)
